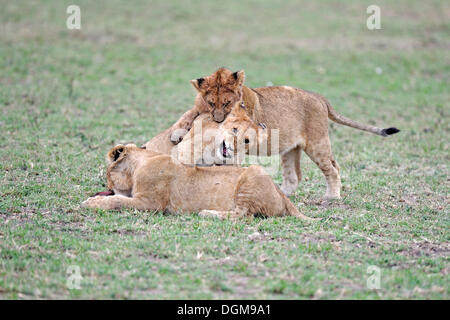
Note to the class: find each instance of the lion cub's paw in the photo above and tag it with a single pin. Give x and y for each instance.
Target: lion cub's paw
(211, 213)
(287, 191)
(89, 203)
(327, 200)
(232, 215)
(218, 214)
(177, 136)
(93, 202)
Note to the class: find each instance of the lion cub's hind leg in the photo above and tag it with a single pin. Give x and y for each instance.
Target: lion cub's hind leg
(255, 194)
(319, 150)
(232, 214)
(258, 194)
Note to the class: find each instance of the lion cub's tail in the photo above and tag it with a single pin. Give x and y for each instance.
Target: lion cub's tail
(336, 117)
(291, 209)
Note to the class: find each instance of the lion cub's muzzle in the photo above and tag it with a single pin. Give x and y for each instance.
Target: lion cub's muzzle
(218, 117)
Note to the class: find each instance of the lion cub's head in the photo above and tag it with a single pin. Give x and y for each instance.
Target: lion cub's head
(240, 135)
(220, 91)
(120, 168)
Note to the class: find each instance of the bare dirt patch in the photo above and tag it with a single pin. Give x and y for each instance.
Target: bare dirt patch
(427, 249)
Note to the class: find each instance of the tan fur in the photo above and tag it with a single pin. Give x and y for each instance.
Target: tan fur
(147, 180)
(301, 117)
(199, 145)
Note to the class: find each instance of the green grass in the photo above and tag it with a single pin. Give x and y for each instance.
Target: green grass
(67, 96)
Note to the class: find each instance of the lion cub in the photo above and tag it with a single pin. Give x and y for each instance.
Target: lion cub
(148, 180)
(300, 116)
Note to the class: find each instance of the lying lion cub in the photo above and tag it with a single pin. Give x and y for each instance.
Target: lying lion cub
(147, 180)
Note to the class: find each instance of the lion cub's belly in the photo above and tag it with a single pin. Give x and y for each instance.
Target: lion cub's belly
(204, 189)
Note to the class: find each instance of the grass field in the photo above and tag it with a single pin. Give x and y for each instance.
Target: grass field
(67, 96)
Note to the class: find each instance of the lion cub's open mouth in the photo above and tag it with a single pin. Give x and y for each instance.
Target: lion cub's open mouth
(225, 153)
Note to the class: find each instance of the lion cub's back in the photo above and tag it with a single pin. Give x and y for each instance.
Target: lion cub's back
(198, 188)
(291, 111)
(161, 142)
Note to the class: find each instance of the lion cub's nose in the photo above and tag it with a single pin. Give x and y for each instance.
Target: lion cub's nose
(219, 117)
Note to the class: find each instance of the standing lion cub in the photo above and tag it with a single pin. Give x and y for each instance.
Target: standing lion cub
(300, 116)
(147, 180)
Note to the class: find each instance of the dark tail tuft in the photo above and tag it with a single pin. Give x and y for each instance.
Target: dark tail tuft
(389, 131)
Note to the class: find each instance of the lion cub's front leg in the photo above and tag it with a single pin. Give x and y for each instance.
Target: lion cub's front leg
(115, 202)
(290, 163)
(183, 125)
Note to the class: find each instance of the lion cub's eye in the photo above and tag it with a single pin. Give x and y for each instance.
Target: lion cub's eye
(211, 103)
(235, 130)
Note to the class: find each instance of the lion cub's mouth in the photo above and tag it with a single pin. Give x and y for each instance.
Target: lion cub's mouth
(226, 150)
(225, 153)
(104, 193)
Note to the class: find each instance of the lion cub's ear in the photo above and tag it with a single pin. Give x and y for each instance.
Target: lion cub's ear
(199, 84)
(239, 78)
(115, 153)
